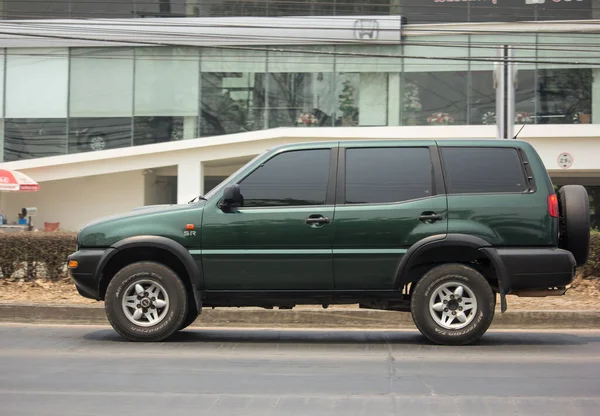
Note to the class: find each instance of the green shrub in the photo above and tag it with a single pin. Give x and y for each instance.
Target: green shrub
(37, 254)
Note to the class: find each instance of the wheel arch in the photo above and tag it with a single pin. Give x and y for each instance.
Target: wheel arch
(462, 248)
(152, 248)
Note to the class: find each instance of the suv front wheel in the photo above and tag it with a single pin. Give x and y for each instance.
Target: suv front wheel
(453, 304)
(146, 301)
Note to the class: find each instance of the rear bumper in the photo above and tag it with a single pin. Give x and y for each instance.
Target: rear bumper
(537, 268)
(84, 275)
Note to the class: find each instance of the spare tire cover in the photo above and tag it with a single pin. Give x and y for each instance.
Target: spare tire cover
(574, 209)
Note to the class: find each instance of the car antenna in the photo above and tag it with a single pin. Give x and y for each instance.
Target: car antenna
(516, 135)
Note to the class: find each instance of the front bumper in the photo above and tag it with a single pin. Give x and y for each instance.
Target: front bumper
(85, 274)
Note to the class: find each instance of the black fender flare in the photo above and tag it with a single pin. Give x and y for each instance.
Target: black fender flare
(449, 240)
(194, 272)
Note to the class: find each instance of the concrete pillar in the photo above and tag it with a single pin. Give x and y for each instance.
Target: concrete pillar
(1, 141)
(372, 99)
(596, 96)
(190, 180)
(189, 127)
(394, 99)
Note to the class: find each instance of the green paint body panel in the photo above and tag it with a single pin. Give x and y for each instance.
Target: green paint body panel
(271, 248)
(361, 247)
(369, 228)
(163, 220)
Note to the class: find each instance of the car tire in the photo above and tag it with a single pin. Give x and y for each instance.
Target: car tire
(146, 301)
(574, 209)
(453, 304)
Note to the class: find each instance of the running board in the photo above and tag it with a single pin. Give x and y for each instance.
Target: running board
(540, 293)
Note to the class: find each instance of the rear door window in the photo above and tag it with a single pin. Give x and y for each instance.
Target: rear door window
(383, 175)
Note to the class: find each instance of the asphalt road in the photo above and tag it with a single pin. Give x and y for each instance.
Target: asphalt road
(89, 370)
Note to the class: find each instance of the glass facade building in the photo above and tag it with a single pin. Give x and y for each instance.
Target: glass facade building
(66, 100)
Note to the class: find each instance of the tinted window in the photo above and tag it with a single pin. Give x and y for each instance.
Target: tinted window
(487, 170)
(289, 179)
(378, 175)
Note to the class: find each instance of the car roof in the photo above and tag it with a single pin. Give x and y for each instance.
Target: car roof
(478, 142)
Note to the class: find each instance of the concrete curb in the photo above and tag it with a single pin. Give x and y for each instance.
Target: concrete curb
(298, 318)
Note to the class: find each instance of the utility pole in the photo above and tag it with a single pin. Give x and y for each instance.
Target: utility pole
(505, 82)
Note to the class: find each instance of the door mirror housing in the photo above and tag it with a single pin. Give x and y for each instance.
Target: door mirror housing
(232, 197)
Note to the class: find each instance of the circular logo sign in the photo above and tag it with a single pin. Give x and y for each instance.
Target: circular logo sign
(565, 160)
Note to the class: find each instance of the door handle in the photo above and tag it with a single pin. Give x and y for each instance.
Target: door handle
(317, 220)
(430, 217)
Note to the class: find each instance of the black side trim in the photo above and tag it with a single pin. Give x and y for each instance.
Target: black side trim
(332, 180)
(501, 274)
(537, 268)
(434, 241)
(340, 194)
(196, 276)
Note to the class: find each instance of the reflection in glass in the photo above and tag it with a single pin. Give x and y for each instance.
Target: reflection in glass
(435, 98)
(94, 134)
(289, 179)
(151, 130)
(483, 98)
(32, 138)
(565, 96)
(232, 103)
(380, 175)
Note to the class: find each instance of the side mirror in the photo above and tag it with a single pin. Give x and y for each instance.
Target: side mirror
(232, 197)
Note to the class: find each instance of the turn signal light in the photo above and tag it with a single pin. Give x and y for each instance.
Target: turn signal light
(189, 226)
(553, 205)
(73, 264)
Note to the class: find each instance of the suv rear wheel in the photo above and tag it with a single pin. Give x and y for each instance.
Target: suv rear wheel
(146, 301)
(453, 304)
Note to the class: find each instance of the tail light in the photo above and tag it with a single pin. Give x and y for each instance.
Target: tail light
(553, 205)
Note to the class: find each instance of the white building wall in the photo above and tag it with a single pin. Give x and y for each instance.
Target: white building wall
(74, 202)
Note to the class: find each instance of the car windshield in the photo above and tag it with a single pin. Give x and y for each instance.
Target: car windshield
(217, 188)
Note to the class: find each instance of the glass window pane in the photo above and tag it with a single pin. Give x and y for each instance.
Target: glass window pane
(371, 58)
(419, 50)
(93, 134)
(300, 99)
(379, 175)
(31, 138)
(37, 83)
(289, 179)
(436, 98)
(568, 50)
(565, 96)
(110, 94)
(232, 60)
(166, 81)
(232, 102)
(483, 98)
(151, 130)
(299, 61)
(483, 170)
(436, 90)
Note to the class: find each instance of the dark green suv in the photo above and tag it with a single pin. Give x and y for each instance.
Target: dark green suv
(437, 228)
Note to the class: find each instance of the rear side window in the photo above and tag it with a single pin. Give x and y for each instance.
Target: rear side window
(380, 175)
(483, 170)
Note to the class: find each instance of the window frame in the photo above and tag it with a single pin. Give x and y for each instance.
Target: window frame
(526, 170)
(437, 180)
(331, 176)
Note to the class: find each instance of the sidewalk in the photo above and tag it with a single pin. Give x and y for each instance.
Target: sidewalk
(298, 318)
